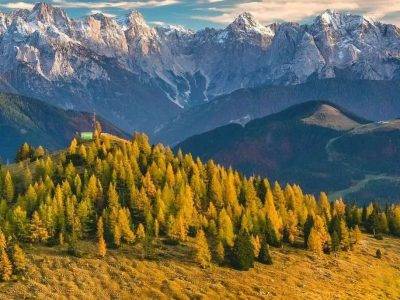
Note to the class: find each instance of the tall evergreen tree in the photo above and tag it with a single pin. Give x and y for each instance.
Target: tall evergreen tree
(6, 269)
(220, 253)
(335, 241)
(101, 243)
(344, 235)
(37, 231)
(8, 187)
(271, 235)
(314, 241)
(308, 225)
(242, 254)
(272, 214)
(225, 228)
(264, 256)
(3, 242)
(202, 255)
(19, 259)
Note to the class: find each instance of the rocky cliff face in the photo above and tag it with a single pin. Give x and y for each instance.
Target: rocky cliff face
(140, 76)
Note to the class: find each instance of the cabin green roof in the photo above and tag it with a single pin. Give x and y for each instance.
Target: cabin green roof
(86, 135)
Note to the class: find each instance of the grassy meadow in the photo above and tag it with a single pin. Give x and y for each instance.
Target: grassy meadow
(173, 274)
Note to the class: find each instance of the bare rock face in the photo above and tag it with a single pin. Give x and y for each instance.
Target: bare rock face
(142, 76)
(103, 36)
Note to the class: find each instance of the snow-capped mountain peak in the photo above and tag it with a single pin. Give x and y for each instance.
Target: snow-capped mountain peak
(329, 17)
(136, 19)
(170, 28)
(246, 22)
(342, 20)
(49, 14)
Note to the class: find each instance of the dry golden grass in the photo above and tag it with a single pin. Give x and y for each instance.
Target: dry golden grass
(296, 274)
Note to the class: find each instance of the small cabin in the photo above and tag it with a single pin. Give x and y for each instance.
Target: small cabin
(86, 136)
(92, 130)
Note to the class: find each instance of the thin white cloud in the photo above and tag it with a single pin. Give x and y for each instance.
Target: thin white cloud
(126, 5)
(96, 11)
(268, 11)
(209, 1)
(158, 23)
(17, 5)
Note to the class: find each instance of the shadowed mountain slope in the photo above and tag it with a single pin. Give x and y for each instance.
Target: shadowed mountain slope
(374, 100)
(25, 119)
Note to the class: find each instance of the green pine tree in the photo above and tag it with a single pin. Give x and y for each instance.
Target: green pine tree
(242, 255)
(264, 256)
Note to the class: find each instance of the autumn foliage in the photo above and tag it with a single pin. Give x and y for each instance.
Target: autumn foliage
(132, 192)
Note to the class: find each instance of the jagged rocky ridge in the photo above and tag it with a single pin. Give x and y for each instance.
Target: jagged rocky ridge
(141, 77)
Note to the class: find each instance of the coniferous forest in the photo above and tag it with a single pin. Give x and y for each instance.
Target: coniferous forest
(115, 192)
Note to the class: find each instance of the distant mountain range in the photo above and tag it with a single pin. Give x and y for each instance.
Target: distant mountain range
(141, 77)
(25, 119)
(316, 144)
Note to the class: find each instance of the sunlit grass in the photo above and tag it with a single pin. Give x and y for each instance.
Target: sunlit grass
(295, 274)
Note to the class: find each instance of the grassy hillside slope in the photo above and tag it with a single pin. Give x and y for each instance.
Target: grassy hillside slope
(295, 274)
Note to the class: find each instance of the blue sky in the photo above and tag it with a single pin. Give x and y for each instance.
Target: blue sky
(217, 13)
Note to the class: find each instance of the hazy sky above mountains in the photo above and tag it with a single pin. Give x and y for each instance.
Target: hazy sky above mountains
(216, 13)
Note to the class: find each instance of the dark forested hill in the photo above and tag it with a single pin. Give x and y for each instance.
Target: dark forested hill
(374, 100)
(317, 144)
(25, 119)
